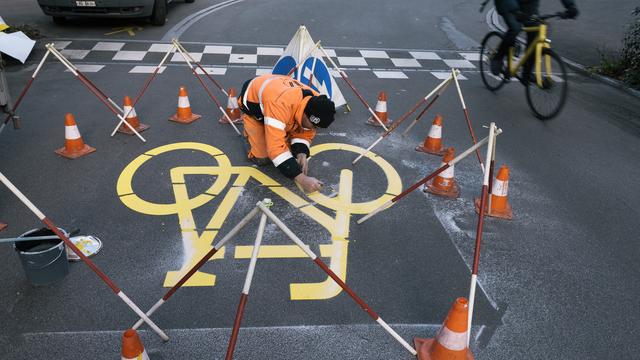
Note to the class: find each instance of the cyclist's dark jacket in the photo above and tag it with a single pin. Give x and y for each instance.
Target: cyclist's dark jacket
(526, 6)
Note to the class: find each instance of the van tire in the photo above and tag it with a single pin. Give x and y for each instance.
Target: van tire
(159, 14)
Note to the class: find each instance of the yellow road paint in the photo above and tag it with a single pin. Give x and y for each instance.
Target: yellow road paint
(131, 30)
(198, 240)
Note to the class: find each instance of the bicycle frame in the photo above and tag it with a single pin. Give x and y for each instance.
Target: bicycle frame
(541, 42)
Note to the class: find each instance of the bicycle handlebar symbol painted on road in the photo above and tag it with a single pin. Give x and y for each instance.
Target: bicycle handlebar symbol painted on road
(197, 241)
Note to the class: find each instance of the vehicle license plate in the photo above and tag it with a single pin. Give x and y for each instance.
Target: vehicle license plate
(86, 3)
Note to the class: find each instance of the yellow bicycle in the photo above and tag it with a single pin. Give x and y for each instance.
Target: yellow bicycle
(546, 89)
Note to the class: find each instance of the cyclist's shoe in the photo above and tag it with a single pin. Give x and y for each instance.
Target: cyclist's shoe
(496, 66)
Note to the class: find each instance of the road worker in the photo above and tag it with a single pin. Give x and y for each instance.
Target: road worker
(280, 118)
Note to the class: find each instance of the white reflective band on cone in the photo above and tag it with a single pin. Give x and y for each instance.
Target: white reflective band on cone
(282, 158)
(381, 106)
(454, 341)
(130, 111)
(500, 188)
(448, 172)
(232, 103)
(183, 102)
(435, 131)
(71, 132)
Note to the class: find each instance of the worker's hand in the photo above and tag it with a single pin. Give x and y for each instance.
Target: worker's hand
(303, 162)
(309, 184)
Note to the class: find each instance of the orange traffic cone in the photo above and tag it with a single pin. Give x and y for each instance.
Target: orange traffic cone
(380, 111)
(444, 184)
(451, 340)
(500, 207)
(132, 118)
(233, 110)
(132, 348)
(2, 226)
(184, 114)
(74, 146)
(433, 141)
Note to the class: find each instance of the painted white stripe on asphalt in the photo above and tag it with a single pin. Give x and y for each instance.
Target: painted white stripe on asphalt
(177, 57)
(108, 46)
(161, 48)
(459, 64)
(352, 61)
(425, 55)
(129, 55)
(270, 51)
(212, 70)
(75, 54)
(243, 59)
(146, 70)
(406, 62)
(88, 68)
(389, 75)
(442, 75)
(374, 54)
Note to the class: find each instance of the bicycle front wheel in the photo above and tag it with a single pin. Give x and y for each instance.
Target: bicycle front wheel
(547, 98)
(489, 48)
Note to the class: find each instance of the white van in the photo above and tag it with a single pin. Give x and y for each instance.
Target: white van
(155, 10)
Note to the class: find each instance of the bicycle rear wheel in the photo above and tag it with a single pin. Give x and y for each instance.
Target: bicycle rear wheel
(489, 47)
(547, 100)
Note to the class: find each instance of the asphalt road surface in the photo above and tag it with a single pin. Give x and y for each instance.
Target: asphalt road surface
(559, 281)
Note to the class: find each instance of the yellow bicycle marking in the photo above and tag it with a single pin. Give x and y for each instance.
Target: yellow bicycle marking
(197, 241)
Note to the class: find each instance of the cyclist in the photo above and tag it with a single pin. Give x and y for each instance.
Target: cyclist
(517, 13)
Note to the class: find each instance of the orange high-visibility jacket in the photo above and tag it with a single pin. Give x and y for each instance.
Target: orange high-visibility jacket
(281, 101)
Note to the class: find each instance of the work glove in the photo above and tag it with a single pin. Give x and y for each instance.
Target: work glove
(570, 13)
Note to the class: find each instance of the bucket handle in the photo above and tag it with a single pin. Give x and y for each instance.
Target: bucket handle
(51, 262)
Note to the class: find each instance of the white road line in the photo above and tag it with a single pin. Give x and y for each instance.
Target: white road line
(177, 30)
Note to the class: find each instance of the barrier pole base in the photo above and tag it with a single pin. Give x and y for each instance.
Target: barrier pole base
(506, 214)
(125, 129)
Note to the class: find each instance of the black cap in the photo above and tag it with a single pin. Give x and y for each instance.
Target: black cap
(320, 111)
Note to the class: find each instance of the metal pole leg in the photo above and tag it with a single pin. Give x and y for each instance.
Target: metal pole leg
(245, 290)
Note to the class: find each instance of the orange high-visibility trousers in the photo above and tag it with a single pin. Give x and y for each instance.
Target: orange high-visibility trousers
(254, 132)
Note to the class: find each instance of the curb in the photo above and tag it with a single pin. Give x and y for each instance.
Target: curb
(493, 21)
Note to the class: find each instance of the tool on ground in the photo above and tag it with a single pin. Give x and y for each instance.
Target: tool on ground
(49, 237)
(86, 260)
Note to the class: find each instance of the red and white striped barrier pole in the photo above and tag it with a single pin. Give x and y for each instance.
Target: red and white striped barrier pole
(335, 278)
(442, 90)
(437, 90)
(24, 91)
(92, 89)
(466, 116)
(82, 75)
(483, 202)
(206, 89)
(199, 264)
(82, 256)
(427, 178)
(178, 45)
(145, 87)
(346, 79)
(245, 290)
